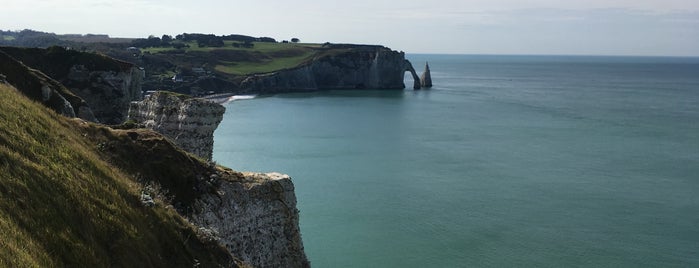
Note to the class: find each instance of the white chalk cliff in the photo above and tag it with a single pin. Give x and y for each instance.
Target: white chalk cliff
(254, 216)
(189, 122)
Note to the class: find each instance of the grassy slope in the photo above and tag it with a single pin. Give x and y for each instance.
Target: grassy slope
(262, 58)
(61, 204)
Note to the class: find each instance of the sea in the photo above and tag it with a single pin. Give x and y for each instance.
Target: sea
(508, 161)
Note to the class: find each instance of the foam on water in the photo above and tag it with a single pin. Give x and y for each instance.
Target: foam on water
(238, 97)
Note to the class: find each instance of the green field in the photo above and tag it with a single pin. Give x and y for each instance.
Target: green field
(264, 57)
(243, 68)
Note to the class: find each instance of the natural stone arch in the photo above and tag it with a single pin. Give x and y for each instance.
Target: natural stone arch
(408, 67)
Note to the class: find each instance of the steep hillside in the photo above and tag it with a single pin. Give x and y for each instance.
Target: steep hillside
(62, 202)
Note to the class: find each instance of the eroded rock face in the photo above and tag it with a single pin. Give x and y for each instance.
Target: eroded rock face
(255, 218)
(356, 67)
(189, 122)
(109, 93)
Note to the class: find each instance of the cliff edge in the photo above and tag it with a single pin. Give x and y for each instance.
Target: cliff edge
(254, 216)
(188, 122)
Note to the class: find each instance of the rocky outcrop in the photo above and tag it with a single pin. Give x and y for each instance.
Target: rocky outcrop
(346, 67)
(189, 122)
(426, 78)
(41, 88)
(105, 84)
(255, 218)
(109, 93)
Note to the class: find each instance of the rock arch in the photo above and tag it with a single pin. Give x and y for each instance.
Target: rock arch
(408, 67)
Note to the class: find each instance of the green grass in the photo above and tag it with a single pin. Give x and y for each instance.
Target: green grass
(266, 66)
(7, 37)
(63, 204)
(264, 57)
(263, 47)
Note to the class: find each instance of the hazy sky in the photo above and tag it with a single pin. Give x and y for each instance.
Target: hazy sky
(598, 27)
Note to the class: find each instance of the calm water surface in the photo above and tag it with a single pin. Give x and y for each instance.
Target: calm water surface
(527, 161)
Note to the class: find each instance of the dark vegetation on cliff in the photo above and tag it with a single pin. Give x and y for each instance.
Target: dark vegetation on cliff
(70, 193)
(56, 61)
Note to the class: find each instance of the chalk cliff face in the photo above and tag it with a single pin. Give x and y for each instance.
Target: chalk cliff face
(253, 215)
(189, 122)
(109, 93)
(255, 218)
(347, 67)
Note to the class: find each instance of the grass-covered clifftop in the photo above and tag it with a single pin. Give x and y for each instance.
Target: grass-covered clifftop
(262, 57)
(63, 203)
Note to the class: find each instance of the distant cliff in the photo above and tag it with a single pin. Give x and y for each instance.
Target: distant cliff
(339, 67)
(105, 84)
(188, 122)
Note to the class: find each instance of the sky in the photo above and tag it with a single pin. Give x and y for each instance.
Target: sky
(550, 27)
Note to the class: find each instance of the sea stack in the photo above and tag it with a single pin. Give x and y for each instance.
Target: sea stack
(426, 77)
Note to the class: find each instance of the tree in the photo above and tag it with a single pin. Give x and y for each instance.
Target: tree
(179, 45)
(166, 38)
(295, 40)
(248, 45)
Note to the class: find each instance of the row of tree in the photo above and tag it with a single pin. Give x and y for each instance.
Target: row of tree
(30, 38)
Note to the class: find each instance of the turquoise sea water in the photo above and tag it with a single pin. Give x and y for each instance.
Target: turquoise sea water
(509, 161)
